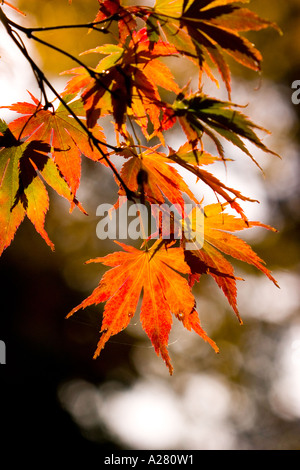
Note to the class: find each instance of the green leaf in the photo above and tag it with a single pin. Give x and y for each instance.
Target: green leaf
(22, 191)
(199, 114)
(211, 28)
(113, 54)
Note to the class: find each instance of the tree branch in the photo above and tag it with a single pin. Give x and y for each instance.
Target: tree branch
(91, 25)
(42, 80)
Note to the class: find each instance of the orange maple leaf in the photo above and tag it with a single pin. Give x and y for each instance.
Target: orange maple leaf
(24, 167)
(160, 180)
(58, 129)
(126, 81)
(165, 292)
(191, 159)
(207, 32)
(113, 9)
(217, 239)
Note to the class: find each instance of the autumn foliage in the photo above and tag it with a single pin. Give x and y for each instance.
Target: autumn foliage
(132, 83)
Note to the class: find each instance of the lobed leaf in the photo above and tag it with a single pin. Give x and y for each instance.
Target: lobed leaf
(165, 292)
(190, 158)
(202, 30)
(112, 9)
(217, 240)
(23, 167)
(67, 140)
(160, 183)
(199, 114)
(212, 28)
(126, 81)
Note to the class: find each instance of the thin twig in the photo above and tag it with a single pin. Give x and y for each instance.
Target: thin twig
(91, 72)
(42, 80)
(90, 25)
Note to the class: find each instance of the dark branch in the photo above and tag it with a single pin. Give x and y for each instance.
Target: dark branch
(42, 81)
(91, 25)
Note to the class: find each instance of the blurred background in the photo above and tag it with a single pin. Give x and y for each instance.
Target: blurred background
(54, 395)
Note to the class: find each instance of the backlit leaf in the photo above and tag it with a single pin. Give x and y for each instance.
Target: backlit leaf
(126, 81)
(219, 240)
(22, 191)
(67, 140)
(213, 28)
(113, 9)
(203, 30)
(161, 181)
(165, 292)
(199, 114)
(191, 159)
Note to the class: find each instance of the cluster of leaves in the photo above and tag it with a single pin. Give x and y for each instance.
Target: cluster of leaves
(130, 83)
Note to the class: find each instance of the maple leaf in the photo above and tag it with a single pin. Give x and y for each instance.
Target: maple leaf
(204, 29)
(159, 181)
(218, 239)
(22, 191)
(199, 114)
(126, 81)
(111, 9)
(66, 138)
(191, 158)
(200, 29)
(165, 292)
